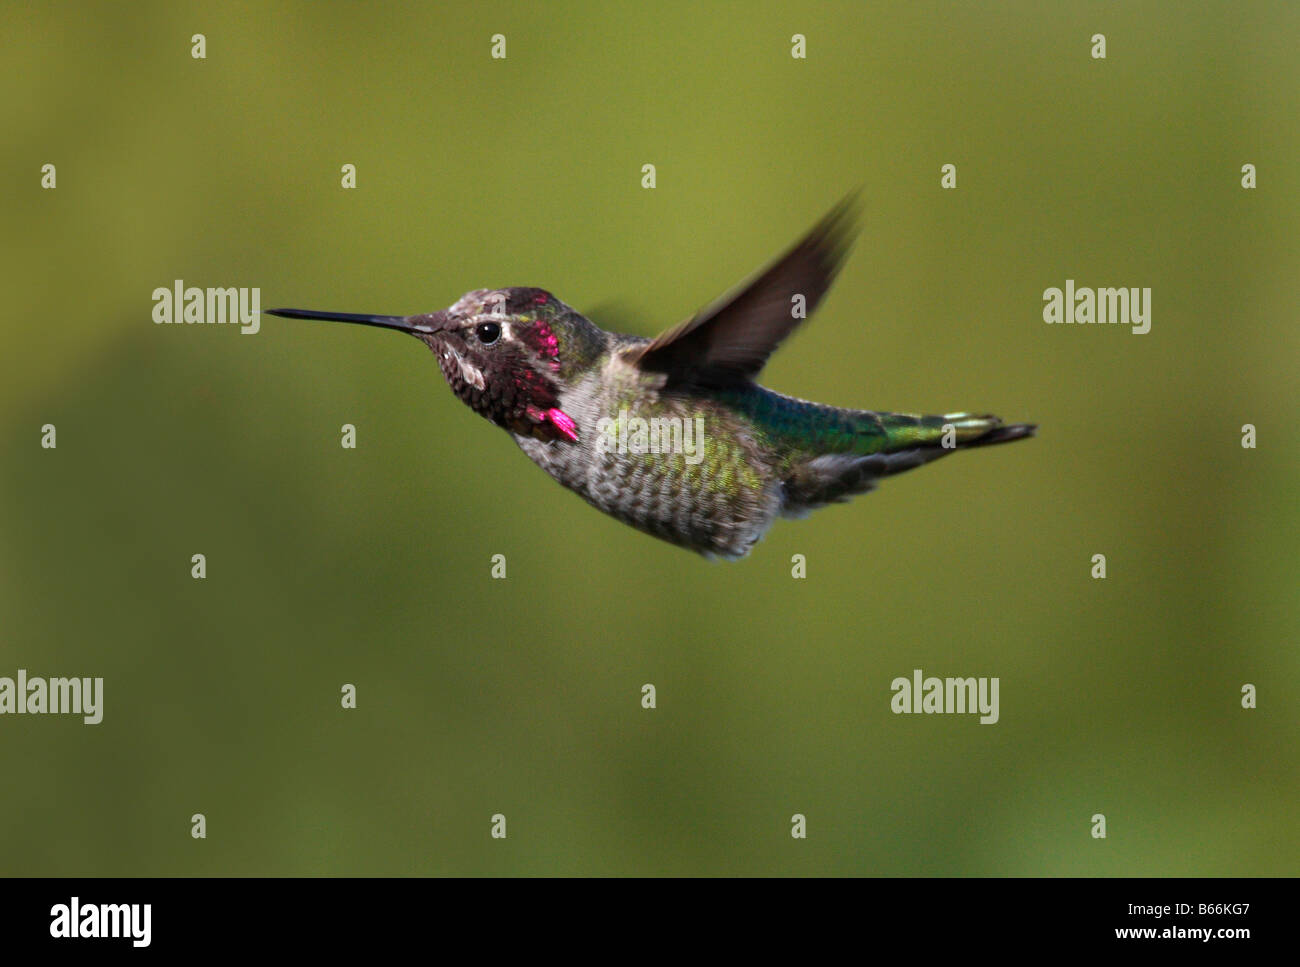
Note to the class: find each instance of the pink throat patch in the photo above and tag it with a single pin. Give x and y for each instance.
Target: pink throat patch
(563, 423)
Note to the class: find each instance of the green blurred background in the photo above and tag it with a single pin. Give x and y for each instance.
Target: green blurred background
(371, 566)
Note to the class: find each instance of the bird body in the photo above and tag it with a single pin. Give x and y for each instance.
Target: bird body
(674, 436)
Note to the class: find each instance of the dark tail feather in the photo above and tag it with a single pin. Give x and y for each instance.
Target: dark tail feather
(1004, 434)
(914, 442)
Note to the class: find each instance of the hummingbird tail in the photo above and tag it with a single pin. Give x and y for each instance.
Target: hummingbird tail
(908, 442)
(949, 431)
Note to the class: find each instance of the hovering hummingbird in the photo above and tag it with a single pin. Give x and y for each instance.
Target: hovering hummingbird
(567, 391)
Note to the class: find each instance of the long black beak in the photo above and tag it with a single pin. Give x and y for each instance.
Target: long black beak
(411, 324)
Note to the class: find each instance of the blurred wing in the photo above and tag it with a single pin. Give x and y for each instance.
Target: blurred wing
(732, 339)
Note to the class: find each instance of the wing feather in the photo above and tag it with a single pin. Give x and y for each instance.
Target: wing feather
(731, 340)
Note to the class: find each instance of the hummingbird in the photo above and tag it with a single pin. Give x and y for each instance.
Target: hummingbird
(594, 408)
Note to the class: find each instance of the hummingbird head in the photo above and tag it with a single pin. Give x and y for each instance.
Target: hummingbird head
(507, 353)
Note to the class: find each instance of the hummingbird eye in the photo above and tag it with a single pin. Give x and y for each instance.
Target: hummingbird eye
(487, 332)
